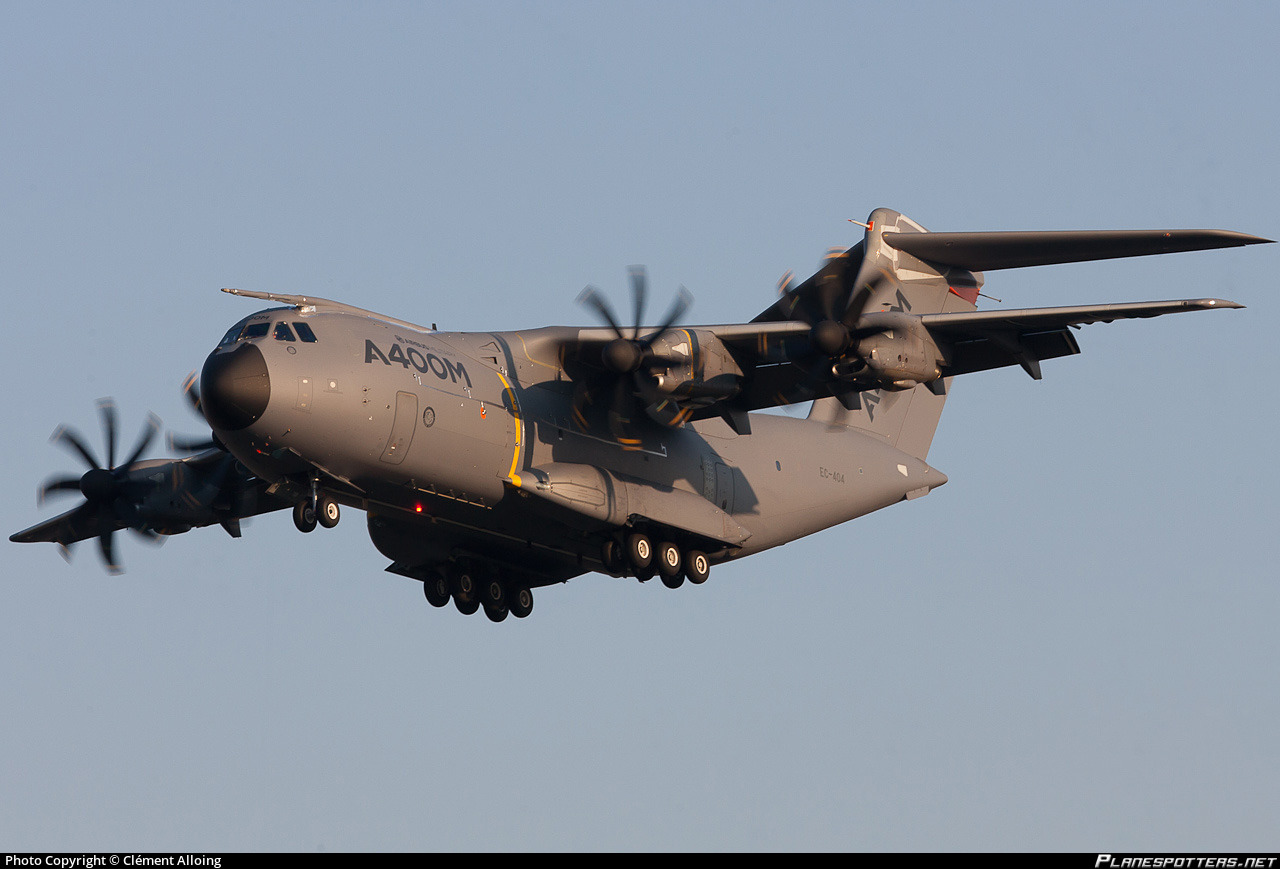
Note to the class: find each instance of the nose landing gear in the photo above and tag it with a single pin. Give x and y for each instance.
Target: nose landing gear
(318, 509)
(327, 513)
(304, 516)
(308, 514)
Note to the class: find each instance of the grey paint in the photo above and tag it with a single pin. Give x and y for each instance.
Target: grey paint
(524, 456)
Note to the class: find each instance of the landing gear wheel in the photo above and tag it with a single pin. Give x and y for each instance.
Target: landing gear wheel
(436, 588)
(495, 613)
(304, 516)
(521, 602)
(668, 560)
(639, 552)
(612, 556)
(673, 581)
(493, 595)
(462, 583)
(327, 512)
(466, 606)
(697, 566)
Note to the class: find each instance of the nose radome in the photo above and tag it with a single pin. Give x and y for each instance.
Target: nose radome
(235, 388)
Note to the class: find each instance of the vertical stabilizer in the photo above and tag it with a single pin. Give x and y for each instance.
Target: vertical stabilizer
(901, 282)
(906, 419)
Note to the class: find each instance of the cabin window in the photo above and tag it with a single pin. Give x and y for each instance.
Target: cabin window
(283, 332)
(305, 333)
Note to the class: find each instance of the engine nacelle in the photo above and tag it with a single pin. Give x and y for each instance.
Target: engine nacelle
(899, 354)
(699, 371)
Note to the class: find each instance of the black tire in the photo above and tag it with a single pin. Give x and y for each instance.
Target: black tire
(462, 583)
(304, 517)
(327, 512)
(673, 581)
(639, 551)
(492, 593)
(436, 588)
(612, 557)
(697, 567)
(466, 606)
(495, 613)
(520, 602)
(668, 558)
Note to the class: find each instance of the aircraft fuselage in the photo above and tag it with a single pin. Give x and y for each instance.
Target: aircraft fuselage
(466, 445)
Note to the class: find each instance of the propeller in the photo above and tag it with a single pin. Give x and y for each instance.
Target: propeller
(107, 489)
(216, 488)
(194, 444)
(627, 356)
(841, 302)
(835, 304)
(624, 355)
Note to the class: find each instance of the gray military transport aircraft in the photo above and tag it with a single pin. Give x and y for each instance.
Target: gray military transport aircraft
(493, 463)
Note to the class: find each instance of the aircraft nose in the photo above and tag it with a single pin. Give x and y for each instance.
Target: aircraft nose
(235, 388)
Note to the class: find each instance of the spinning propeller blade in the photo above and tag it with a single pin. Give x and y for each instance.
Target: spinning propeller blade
(108, 491)
(626, 357)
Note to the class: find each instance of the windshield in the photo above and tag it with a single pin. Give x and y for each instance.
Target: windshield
(245, 330)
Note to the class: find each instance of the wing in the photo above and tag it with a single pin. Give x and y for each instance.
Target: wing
(72, 526)
(157, 498)
(895, 310)
(778, 366)
(981, 340)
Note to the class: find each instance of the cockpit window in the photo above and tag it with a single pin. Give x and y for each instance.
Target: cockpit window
(242, 330)
(248, 331)
(254, 330)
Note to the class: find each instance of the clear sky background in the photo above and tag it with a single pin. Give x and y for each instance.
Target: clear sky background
(1072, 645)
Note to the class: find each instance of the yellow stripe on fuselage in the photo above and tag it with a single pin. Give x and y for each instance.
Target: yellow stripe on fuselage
(515, 411)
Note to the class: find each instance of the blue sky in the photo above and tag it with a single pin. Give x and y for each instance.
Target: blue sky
(1072, 645)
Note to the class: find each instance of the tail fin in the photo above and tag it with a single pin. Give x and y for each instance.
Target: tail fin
(907, 419)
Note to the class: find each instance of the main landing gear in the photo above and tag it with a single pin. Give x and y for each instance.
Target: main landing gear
(471, 589)
(638, 555)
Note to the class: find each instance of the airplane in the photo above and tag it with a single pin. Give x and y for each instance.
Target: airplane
(490, 464)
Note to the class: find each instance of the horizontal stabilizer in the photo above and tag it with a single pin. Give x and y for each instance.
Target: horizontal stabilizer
(985, 251)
